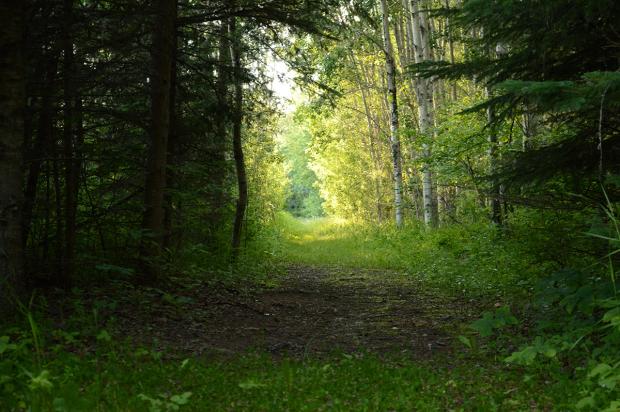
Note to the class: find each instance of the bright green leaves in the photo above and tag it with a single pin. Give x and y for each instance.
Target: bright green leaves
(42, 381)
(5, 345)
(251, 384)
(165, 403)
(494, 321)
(528, 354)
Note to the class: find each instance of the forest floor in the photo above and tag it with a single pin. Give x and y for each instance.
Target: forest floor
(313, 311)
(339, 323)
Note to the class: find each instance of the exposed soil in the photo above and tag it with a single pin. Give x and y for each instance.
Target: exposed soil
(313, 312)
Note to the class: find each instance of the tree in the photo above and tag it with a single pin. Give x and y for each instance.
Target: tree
(242, 181)
(392, 97)
(155, 186)
(424, 93)
(12, 107)
(551, 70)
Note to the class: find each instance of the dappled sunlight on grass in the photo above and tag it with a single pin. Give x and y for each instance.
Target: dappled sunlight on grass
(465, 260)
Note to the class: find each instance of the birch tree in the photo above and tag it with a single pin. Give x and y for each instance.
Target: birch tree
(393, 103)
(424, 95)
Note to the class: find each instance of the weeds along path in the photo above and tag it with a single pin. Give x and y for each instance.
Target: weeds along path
(317, 307)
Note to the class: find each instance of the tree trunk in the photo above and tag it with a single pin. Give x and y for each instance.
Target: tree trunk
(155, 185)
(424, 95)
(217, 156)
(494, 199)
(12, 106)
(172, 152)
(67, 252)
(451, 49)
(242, 183)
(393, 103)
(40, 146)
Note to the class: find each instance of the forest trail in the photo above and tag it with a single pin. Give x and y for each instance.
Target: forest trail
(314, 311)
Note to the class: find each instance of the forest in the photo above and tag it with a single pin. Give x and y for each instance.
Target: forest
(309, 205)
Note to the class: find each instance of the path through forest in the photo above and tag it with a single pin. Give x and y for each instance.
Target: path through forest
(313, 311)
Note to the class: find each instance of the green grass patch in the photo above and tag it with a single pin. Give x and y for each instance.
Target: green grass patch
(473, 260)
(112, 379)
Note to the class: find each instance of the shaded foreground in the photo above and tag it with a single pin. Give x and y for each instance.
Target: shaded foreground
(327, 333)
(313, 311)
(323, 339)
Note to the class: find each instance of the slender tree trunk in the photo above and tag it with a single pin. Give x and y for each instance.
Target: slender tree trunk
(242, 183)
(59, 226)
(40, 146)
(371, 132)
(67, 253)
(451, 49)
(393, 101)
(495, 198)
(424, 95)
(222, 122)
(12, 106)
(155, 185)
(172, 149)
(531, 124)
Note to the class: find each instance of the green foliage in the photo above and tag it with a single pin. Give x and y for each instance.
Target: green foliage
(119, 379)
(493, 321)
(303, 199)
(577, 322)
(472, 260)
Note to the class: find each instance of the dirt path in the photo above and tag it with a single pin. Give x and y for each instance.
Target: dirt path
(314, 311)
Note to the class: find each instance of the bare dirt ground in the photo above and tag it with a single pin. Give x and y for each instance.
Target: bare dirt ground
(314, 311)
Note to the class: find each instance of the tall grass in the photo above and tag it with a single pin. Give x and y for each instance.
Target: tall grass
(471, 260)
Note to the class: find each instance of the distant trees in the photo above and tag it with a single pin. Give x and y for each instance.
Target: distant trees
(124, 129)
(536, 102)
(553, 77)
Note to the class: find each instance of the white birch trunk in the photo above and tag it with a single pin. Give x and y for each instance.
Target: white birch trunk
(393, 102)
(424, 95)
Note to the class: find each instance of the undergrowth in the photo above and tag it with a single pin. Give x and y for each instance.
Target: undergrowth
(75, 372)
(561, 352)
(467, 260)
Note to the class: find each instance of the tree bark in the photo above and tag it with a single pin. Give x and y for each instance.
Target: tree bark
(242, 183)
(40, 146)
(172, 152)
(495, 192)
(155, 185)
(393, 103)
(217, 155)
(67, 252)
(424, 96)
(12, 106)
(451, 49)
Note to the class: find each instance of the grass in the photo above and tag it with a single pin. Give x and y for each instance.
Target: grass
(80, 368)
(471, 261)
(142, 380)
